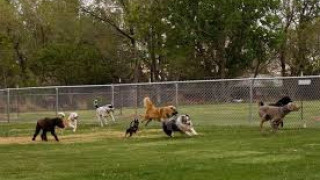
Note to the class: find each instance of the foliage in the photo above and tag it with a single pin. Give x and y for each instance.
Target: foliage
(107, 41)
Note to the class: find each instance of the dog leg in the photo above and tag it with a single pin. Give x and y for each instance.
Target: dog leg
(54, 135)
(100, 120)
(44, 135)
(112, 117)
(188, 133)
(193, 131)
(104, 121)
(172, 134)
(275, 124)
(148, 121)
(261, 123)
(75, 125)
(281, 124)
(38, 128)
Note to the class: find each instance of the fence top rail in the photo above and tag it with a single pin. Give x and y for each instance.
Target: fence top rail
(161, 83)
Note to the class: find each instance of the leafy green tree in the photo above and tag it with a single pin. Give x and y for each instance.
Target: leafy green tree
(227, 36)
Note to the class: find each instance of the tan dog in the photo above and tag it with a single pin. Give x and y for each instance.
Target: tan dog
(275, 114)
(157, 113)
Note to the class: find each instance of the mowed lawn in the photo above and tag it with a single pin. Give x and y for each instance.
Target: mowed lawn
(225, 149)
(218, 153)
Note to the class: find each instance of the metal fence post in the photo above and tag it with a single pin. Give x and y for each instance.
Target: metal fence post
(137, 100)
(57, 100)
(112, 95)
(8, 105)
(177, 94)
(121, 100)
(251, 99)
(301, 114)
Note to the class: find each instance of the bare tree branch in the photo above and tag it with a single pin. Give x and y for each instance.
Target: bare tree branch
(108, 21)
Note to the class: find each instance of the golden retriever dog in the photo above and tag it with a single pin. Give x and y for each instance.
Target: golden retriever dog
(157, 113)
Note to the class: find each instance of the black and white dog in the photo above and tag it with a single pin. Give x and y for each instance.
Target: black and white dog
(103, 112)
(181, 123)
(133, 128)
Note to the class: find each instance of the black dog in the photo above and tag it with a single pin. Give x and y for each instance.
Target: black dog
(48, 124)
(134, 127)
(282, 102)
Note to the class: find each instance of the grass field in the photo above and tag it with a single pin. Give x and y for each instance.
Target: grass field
(228, 147)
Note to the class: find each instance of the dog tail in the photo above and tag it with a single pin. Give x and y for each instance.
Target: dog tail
(147, 103)
(260, 103)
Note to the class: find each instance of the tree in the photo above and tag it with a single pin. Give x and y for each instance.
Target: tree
(226, 35)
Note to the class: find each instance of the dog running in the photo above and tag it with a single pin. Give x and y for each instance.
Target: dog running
(133, 128)
(103, 112)
(275, 114)
(179, 123)
(48, 124)
(157, 113)
(71, 121)
(282, 102)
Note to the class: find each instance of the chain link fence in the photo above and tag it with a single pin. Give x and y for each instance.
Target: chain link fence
(214, 102)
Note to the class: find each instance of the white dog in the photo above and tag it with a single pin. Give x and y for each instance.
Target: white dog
(181, 123)
(103, 112)
(71, 121)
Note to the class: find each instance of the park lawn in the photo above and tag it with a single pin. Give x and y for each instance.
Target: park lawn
(230, 146)
(218, 153)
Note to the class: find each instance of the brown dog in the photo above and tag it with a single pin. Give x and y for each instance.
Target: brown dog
(157, 113)
(275, 114)
(48, 124)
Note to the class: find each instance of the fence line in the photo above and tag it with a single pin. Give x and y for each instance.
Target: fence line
(225, 98)
(167, 82)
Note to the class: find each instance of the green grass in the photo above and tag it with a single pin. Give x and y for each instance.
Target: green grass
(219, 153)
(229, 147)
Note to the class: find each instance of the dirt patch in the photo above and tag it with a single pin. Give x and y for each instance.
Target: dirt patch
(15, 140)
(76, 138)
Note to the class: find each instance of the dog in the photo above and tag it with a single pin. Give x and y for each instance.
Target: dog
(95, 103)
(133, 128)
(275, 114)
(103, 112)
(72, 121)
(157, 113)
(282, 102)
(48, 124)
(180, 123)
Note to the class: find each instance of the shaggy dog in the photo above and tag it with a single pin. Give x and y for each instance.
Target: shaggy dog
(72, 121)
(103, 112)
(48, 124)
(282, 102)
(275, 114)
(133, 128)
(180, 123)
(157, 113)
